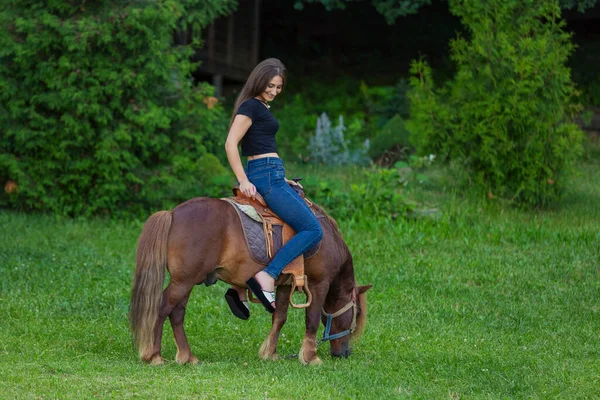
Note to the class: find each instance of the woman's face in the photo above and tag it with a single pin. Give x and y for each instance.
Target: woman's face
(273, 89)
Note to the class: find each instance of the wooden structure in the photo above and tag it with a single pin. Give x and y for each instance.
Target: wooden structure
(231, 45)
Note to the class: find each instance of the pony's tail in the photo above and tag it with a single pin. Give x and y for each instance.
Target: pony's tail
(148, 281)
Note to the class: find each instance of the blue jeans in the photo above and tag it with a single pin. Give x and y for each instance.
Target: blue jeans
(267, 174)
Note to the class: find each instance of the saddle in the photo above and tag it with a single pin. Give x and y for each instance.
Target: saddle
(276, 233)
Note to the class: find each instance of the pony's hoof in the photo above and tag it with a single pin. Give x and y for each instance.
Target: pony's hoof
(157, 360)
(191, 359)
(268, 351)
(306, 358)
(315, 361)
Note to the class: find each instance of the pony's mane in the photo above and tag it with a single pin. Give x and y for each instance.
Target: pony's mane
(330, 219)
(361, 318)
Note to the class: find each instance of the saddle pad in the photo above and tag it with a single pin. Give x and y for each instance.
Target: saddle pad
(249, 211)
(255, 235)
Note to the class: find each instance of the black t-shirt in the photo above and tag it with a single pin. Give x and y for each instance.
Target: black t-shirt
(260, 138)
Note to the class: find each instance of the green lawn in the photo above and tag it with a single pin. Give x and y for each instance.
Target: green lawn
(479, 301)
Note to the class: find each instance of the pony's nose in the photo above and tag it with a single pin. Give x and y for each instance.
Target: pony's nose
(344, 352)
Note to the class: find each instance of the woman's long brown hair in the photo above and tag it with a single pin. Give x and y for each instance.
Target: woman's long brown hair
(258, 80)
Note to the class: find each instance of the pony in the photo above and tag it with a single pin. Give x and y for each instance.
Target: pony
(202, 241)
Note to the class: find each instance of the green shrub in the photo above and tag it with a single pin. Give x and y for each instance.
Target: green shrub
(507, 114)
(296, 126)
(96, 108)
(297, 114)
(412, 172)
(366, 109)
(393, 138)
(385, 102)
(378, 196)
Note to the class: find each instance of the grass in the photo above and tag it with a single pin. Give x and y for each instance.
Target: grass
(483, 301)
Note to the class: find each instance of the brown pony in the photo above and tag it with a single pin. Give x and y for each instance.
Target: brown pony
(201, 241)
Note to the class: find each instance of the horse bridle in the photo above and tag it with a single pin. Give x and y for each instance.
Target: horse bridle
(326, 336)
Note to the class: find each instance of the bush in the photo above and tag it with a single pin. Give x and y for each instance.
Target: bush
(385, 102)
(366, 109)
(391, 143)
(96, 108)
(378, 196)
(507, 114)
(298, 114)
(412, 172)
(296, 126)
(330, 146)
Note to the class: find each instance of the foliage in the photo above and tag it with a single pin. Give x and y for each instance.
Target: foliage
(579, 5)
(507, 113)
(393, 137)
(413, 170)
(591, 93)
(378, 195)
(198, 14)
(592, 148)
(330, 146)
(342, 97)
(390, 9)
(296, 126)
(393, 9)
(385, 102)
(366, 109)
(96, 108)
(298, 114)
(584, 64)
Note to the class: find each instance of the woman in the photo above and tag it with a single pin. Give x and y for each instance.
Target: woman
(253, 125)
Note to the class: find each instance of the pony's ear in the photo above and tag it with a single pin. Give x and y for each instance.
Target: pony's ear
(362, 289)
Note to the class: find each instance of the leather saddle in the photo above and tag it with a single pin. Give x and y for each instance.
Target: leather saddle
(270, 221)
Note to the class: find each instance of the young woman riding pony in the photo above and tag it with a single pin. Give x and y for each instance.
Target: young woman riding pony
(254, 127)
(201, 242)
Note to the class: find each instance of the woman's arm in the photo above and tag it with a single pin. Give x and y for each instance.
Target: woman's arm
(239, 127)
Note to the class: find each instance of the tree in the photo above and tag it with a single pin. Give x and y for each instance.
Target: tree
(507, 116)
(579, 5)
(392, 9)
(97, 110)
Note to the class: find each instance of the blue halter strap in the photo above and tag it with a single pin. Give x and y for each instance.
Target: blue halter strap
(330, 317)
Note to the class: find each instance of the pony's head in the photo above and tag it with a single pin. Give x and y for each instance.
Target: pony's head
(346, 314)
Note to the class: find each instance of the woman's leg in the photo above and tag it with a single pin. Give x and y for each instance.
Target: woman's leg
(290, 207)
(268, 175)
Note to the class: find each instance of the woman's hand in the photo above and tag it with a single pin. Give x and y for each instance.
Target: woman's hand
(293, 183)
(248, 189)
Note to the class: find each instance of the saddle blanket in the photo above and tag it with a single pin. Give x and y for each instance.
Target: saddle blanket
(254, 232)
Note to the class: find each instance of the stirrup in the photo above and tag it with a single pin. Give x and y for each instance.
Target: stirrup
(304, 279)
